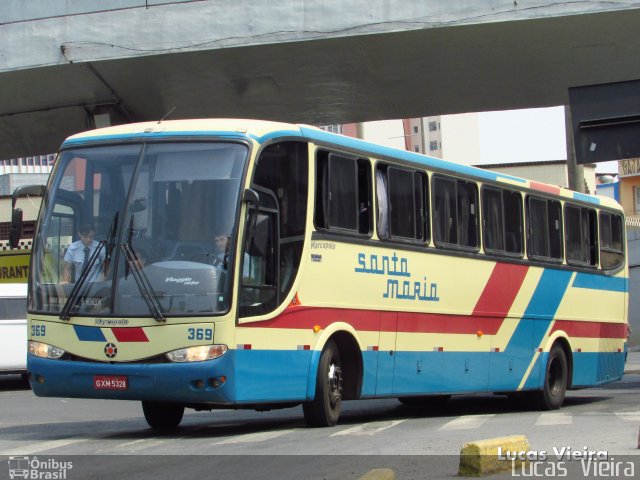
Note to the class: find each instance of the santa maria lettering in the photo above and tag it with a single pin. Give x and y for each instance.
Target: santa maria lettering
(400, 282)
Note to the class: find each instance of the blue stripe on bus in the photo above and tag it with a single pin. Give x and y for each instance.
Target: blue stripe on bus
(548, 294)
(544, 303)
(530, 331)
(309, 134)
(276, 134)
(320, 135)
(586, 198)
(601, 282)
(380, 150)
(89, 334)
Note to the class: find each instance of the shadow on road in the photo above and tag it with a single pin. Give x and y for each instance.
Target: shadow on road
(13, 382)
(220, 424)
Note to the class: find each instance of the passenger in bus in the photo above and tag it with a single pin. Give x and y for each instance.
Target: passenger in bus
(77, 256)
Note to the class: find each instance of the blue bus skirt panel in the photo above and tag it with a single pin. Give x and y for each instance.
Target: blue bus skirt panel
(176, 382)
(252, 376)
(593, 368)
(272, 376)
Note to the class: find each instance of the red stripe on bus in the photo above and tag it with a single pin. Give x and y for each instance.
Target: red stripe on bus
(501, 290)
(491, 309)
(543, 187)
(370, 320)
(135, 334)
(433, 323)
(575, 328)
(308, 317)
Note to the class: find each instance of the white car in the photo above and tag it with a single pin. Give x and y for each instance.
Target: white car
(13, 328)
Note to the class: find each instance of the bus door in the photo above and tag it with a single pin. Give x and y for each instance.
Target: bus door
(386, 352)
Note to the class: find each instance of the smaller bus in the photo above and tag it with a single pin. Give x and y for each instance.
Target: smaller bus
(15, 252)
(13, 328)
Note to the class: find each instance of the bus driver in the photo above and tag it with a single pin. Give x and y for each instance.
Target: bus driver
(78, 255)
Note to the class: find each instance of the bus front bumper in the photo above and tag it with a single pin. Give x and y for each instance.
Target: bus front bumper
(195, 382)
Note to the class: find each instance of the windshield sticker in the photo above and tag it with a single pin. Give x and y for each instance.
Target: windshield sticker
(183, 281)
(107, 322)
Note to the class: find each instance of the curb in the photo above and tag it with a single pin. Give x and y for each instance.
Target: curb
(484, 457)
(379, 474)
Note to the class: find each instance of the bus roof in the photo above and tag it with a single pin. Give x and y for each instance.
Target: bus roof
(262, 131)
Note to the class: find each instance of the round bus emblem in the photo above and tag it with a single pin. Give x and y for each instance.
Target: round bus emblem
(110, 350)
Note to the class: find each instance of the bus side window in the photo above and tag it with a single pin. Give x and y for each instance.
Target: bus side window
(544, 226)
(455, 213)
(502, 221)
(580, 235)
(402, 203)
(611, 251)
(343, 198)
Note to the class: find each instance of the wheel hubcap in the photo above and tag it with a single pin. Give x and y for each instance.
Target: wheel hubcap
(335, 384)
(555, 374)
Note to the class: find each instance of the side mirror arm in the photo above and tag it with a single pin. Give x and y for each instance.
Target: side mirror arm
(252, 199)
(16, 214)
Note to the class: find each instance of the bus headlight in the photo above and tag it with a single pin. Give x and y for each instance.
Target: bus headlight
(197, 354)
(43, 350)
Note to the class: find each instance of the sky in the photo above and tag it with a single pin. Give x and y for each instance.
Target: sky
(535, 134)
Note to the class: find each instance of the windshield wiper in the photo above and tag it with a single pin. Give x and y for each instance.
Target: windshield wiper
(74, 295)
(143, 283)
(108, 243)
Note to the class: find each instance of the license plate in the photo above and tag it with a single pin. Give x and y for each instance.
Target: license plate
(110, 382)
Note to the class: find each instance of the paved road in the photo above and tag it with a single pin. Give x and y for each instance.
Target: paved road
(372, 433)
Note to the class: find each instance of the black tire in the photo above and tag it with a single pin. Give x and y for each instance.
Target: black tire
(162, 416)
(324, 409)
(556, 380)
(427, 401)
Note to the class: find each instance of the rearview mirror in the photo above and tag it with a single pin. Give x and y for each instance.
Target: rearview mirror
(16, 228)
(259, 241)
(16, 215)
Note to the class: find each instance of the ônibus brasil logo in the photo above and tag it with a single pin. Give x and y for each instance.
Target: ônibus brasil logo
(32, 468)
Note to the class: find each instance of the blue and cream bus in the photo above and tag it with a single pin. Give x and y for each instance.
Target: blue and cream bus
(350, 270)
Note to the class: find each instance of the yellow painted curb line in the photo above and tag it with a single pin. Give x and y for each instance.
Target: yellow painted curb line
(379, 474)
(484, 457)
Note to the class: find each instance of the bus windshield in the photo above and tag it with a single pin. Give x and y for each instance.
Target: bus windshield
(139, 230)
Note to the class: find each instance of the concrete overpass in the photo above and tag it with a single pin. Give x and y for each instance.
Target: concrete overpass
(312, 61)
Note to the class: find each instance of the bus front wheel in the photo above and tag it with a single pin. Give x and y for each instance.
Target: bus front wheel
(162, 416)
(324, 409)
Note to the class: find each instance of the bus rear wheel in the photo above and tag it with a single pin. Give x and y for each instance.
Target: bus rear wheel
(556, 380)
(324, 409)
(161, 415)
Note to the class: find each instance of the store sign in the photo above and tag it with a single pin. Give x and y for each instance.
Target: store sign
(627, 168)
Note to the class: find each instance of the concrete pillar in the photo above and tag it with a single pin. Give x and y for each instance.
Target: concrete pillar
(575, 172)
